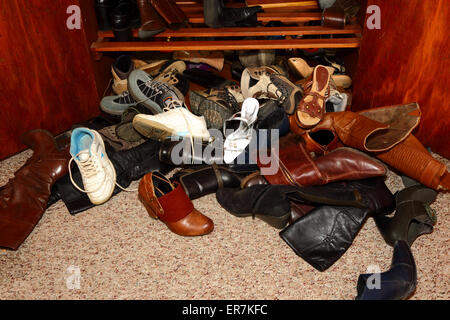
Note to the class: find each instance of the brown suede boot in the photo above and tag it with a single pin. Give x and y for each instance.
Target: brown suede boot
(152, 23)
(24, 199)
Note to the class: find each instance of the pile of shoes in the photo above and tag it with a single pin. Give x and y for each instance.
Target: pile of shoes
(268, 133)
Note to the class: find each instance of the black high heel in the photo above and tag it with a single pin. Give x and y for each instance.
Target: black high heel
(398, 283)
(413, 216)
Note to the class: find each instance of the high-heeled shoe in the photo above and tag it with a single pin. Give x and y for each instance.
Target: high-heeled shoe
(168, 202)
(236, 142)
(398, 283)
(413, 216)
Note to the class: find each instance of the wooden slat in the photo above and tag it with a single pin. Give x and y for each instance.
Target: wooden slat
(247, 32)
(267, 17)
(226, 45)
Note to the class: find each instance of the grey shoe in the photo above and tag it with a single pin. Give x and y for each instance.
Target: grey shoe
(216, 105)
(325, 4)
(116, 105)
(151, 93)
(125, 129)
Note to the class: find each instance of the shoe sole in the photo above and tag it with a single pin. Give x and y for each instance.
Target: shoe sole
(276, 222)
(214, 114)
(152, 129)
(106, 109)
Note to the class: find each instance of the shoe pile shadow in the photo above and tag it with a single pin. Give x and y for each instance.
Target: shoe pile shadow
(271, 135)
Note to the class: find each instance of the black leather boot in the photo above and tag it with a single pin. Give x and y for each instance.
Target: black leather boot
(130, 165)
(398, 283)
(219, 16)
(323, 235)
(123, 20)
(271, 203)
(206, 180)
(103, 11)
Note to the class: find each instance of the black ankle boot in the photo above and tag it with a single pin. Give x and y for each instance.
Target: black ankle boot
(398, 283)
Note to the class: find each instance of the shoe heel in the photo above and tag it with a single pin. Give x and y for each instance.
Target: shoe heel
(276, 222)
(149, 209)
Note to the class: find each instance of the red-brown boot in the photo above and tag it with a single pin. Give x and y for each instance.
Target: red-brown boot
(24, 199)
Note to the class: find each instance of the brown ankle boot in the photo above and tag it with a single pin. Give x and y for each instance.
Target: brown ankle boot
(152, 23)
(24, 199)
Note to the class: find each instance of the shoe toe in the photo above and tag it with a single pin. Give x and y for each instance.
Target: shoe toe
(194, 224)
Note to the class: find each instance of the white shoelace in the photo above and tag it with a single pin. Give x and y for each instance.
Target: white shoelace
(177, 105)
(91, 167)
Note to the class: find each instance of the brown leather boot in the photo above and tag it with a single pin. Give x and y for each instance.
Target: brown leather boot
(169, 203)
(152, 23)
(171, 13)
(412, 159)
(24, 199)
(297, 167)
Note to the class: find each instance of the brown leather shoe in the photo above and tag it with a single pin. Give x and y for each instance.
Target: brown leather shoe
(297, 167)
(170, 12)
(152, 23)
(24, 199)
(169, 203)
(311, 109)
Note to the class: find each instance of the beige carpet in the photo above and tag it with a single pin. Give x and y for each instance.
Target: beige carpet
(124, 254)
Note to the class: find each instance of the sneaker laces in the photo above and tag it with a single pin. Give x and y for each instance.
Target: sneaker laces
(281, 91)
(90, 168)
(123, 97)
(156, 89)
(175, 104)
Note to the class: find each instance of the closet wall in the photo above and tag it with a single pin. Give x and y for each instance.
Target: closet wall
(48, 78)
(409, 60)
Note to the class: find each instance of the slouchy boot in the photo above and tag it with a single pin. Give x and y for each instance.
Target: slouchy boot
(386, 133)
(130, 165)
(400, 149)
(24, 199)
(323, 235)
(398, 283)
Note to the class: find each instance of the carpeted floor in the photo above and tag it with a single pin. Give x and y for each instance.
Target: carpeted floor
(122, 253)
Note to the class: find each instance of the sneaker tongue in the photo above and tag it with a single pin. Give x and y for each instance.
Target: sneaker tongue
(83, 156)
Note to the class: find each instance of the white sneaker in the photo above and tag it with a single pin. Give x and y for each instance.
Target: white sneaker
(97, 171)
(237, 141)
(176, 121)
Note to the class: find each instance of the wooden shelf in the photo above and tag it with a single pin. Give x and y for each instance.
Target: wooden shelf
(296, 18)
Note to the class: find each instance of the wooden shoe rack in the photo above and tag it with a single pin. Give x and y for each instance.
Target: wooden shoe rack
(303, 31)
